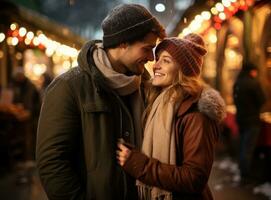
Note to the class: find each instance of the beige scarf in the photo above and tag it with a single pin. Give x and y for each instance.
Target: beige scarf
(124, 85)
(159, 141)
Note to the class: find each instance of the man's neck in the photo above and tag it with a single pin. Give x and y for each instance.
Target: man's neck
(113, 56)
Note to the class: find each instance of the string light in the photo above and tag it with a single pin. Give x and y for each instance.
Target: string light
(226, 3)
(13, 26)
(218, 13)
(214, 11)
(30, 35)
(219, 7)
(2, 37)
(20, 34)
(206, 15)
(14, 41)
(222, 16)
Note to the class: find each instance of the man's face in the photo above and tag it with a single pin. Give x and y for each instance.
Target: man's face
(136, 55)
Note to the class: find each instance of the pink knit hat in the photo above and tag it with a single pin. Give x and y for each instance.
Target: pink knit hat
(188, 52)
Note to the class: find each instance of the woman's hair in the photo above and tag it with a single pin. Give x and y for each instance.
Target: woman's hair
(181, 87)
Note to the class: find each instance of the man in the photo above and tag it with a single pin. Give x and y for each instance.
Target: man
(88, 108)
(248, 98)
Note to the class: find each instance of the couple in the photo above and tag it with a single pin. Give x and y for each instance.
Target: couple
(86, 110)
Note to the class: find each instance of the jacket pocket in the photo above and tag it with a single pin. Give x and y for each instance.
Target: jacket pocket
(96, 107)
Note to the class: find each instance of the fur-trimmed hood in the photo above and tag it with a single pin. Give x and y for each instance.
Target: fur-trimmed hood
(212, 104)
(209, 102)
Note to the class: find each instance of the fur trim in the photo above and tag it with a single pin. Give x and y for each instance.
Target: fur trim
(212, 104)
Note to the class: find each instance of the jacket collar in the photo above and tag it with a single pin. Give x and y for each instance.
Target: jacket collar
(187, 103)
(86, 62)
(208, 101)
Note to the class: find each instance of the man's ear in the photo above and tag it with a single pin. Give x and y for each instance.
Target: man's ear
(123, 45)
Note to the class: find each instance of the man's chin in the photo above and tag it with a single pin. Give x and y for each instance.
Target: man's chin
(138, 72)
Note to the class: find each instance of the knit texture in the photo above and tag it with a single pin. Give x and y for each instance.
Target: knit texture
(188, 52)
(127, 22)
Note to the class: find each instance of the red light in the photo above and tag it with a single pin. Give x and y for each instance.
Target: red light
(249, 2)
(217, 26)
(217, 19)
(15, 33)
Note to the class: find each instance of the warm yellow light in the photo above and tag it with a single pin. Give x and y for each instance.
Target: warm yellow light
(233, 41)
(231, 53)
(226, 3)
(13, 26)
(219, 7)
(39, 32)
(1, 54)
(212, 38)
(27, 41)
(66, 65)
(9, 40)
(36, 41)
(14, 41)
(199, 18)
(206, 15)
(2, 37)
(42, 38)
(186, 31)
(214, 11)
(39, 69)
(30, 35)
(74, 63)
(222, 16)
(49, 52)
(181, 35)
(19, 56)
(194, 26)
(22, 31)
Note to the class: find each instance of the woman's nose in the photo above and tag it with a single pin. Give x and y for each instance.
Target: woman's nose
(156, 65)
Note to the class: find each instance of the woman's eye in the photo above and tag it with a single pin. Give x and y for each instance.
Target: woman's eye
(166, 61)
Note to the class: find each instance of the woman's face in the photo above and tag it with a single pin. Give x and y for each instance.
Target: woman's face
(165, 70)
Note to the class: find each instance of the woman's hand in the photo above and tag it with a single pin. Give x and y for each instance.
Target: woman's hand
(123, 153)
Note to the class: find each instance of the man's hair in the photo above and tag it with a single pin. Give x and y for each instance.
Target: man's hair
(128, 23)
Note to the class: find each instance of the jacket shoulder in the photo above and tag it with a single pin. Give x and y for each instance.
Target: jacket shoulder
(72, 74)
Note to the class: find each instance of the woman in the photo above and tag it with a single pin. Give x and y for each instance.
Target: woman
(181, 126)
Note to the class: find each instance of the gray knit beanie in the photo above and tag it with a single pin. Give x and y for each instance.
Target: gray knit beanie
(127, 23)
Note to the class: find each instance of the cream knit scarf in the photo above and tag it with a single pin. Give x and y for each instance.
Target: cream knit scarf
(159, 141)
(124, 85)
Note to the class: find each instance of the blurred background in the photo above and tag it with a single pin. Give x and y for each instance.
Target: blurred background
(40, 40)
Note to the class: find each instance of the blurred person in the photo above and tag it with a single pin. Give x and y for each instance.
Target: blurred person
(248, 99)
(25, 93)
(25, 106)
(181, 126)
(86, 110)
